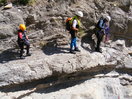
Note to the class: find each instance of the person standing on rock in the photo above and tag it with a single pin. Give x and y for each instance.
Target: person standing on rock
(23, 40)
(107, 33)
(102, 28)
(75, 24)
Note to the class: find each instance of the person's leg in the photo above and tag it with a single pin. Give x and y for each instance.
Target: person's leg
(98, 42)
(75, 45)
(107, 37)
(100, 38)
(72, 44)
(97, 45)
(27, 48)
(21, 45)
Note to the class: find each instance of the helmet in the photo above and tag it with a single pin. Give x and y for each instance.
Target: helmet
(79, 13)
(108, 18)
(22, 27)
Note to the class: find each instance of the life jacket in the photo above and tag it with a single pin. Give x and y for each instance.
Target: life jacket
(21, 36)
(69, 22)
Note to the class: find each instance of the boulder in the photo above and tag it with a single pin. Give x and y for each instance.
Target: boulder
(10, 20)
(8, 6)
(31, 19)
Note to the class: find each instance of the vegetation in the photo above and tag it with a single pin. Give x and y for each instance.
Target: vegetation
(3, 1)
(25, 2)
(21, 2)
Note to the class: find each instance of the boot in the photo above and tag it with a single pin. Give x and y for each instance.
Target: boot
(98, 50)
(76, 49)
(22, 57)
(28, 54)
(72, 51)
(21, 54)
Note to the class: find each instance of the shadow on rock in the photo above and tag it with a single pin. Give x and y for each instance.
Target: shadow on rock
(8, 55)
(54, 50)
(53, 47)
(87, 42)
(60, 86)
(57, 82)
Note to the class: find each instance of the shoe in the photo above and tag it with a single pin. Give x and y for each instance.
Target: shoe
(98, 50)
(29, 54)
(22, 57)
(71, 51)
(76, 49)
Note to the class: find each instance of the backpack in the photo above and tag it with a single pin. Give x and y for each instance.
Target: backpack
(97, 25)
(68, 25)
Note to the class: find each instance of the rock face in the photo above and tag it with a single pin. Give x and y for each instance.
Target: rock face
(90, 89)
(49, 17)
(51, 72)
(9, 21)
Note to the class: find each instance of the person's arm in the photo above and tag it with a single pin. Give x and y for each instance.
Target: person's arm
(26, 37)
(107, 30)
(74, 25)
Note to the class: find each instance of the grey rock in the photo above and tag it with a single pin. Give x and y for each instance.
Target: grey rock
(31, 19)
(10, 20)
(119, 20)
(6, 31)
(51, 58)
(40, 65)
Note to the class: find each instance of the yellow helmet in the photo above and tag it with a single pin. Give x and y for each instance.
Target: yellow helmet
(22, 27)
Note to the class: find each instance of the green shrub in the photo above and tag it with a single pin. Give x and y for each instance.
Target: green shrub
(25, 2)
(3, 1)
(21, 2)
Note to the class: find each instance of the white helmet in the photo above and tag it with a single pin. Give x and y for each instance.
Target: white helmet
(108, 18)
(79, 13)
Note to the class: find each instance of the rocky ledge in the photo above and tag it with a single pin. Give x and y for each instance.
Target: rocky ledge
(59, 66)
(58, 61)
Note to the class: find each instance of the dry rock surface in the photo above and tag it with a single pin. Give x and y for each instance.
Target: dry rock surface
(77, 76)
(51, 72)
